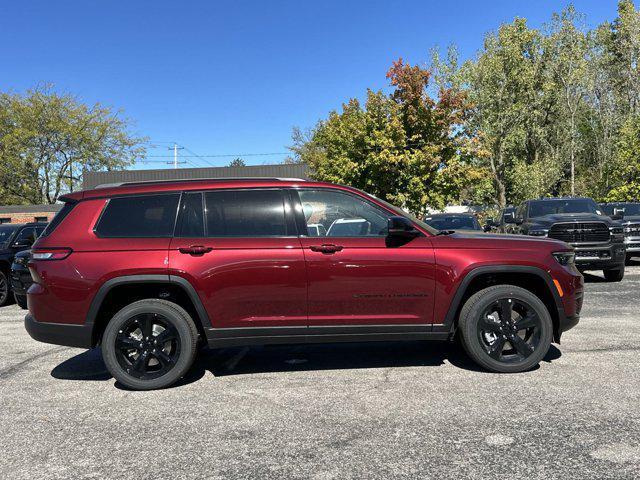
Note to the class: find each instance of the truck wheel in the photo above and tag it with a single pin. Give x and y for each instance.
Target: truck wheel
(4, 290)
(505, 328)
(149, 344)
(614, 275)
(21, 300)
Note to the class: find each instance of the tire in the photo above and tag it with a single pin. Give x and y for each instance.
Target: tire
(480, 331)
(628, 259)
(614, 275)
(130, 346)
(21, 300)
(5, 290)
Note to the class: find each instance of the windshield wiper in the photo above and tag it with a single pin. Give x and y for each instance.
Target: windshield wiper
(445, 232)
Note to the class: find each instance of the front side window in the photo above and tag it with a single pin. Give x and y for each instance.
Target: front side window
(245, 213)
(26, 237)
(142, 216)
(335, 214)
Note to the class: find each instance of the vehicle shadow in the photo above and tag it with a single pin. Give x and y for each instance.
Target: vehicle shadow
(293, 358)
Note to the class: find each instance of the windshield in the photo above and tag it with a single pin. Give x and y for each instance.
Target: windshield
(6, 231)
(629, 208)
(572, 205)
(402, 213)
(454, 223)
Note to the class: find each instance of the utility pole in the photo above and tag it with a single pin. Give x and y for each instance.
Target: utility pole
(175, 149)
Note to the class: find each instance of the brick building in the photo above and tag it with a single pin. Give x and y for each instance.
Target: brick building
(28, 213)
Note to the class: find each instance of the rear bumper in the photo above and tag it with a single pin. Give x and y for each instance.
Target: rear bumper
(58, 333)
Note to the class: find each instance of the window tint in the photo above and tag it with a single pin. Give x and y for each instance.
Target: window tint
(139, 216)
(549, 207)
(335, 214)
(191, 216)
(454, 223)
(245, 213)
(57, 220)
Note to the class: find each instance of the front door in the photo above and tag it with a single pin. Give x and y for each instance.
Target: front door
(240, 250)
(356, 275)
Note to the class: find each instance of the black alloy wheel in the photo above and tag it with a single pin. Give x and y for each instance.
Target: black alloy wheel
(147, 346)
(509, 330)
(4, 289)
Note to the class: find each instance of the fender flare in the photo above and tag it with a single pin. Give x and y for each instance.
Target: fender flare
(449, 320)
(107, 286)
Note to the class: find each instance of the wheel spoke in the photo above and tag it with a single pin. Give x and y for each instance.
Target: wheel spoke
(145, 324)
(487, 324)
(495, 349)
(505, 309)
(164, 359)
(165, 336)
(127, 343)
(528, 321)
(522, 347)
(140, 365)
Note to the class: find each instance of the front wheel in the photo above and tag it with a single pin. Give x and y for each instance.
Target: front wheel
(614, 275)
(505, 329)
(149, 344)
(4, 290)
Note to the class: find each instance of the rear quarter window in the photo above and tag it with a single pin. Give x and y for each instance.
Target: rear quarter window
(139, 216)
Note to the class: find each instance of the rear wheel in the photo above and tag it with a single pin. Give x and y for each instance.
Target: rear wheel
(149, 344)
(505, 329)
(21, 300)
(4, 290)
(614, 275)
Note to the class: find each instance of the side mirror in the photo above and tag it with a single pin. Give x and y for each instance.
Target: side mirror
(618, 214)
(401, 227)
(489, 225)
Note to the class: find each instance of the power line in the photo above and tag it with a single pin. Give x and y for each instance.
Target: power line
(222, 155)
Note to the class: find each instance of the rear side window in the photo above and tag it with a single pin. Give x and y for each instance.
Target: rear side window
(246, 213)
(191, 216)
(142, 216)
(57, 220)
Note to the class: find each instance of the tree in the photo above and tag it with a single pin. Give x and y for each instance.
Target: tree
(626, 171)
(237, 162)
(47, 139)
(404, 147)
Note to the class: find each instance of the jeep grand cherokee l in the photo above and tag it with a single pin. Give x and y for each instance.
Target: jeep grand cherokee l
(597, 239)
(149, 270)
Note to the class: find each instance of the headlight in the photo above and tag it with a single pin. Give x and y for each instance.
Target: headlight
(616, 230)
(565, 258)
(538, 232)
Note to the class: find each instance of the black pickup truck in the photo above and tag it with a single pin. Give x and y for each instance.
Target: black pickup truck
(598, 239)
(628, 214)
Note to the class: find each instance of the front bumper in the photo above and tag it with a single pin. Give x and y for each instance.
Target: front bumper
(597, 257)
(20, 280)
(59, 333)
(632, 244)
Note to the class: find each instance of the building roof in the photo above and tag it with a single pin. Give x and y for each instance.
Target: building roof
(5, 209)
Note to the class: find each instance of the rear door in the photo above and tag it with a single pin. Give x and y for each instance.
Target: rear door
(239, 249)
(357, 274)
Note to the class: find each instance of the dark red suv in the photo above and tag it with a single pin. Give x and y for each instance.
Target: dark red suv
(149, 270)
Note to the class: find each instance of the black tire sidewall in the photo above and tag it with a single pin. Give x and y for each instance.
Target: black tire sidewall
(7, 299)
(21, 300)
(614, 275)
(476, 305)
(172, 313)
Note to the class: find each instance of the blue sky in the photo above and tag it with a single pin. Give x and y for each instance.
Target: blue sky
(233, 77)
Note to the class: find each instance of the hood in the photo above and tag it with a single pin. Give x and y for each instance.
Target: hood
(630, 219)
(570, 217)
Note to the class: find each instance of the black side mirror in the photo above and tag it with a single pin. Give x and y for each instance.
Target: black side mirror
(401, 227)
(618, 214)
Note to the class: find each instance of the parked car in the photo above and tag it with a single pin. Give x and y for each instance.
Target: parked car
(20, 278)
(454, 221)
(14, 238)
(628, 213)
(598, 240)
(148, 270)
(505, 222)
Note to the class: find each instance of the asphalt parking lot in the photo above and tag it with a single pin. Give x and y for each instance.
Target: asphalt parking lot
(392, 410)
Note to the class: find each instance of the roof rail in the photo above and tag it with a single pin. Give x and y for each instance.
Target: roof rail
(181, 180)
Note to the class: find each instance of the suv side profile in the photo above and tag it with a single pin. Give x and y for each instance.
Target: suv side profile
(14, 238)
(150, 270)
(598, 240)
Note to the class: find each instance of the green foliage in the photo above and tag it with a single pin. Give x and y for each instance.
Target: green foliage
(405, 147)
(47, 139)
(237, 162)
(625, 172)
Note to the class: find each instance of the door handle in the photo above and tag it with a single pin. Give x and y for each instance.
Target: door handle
(326, 248)
(195, 249)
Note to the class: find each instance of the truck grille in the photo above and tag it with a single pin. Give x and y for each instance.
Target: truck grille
(580, 232)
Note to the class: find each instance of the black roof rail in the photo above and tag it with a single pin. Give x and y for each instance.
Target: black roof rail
(213, 179)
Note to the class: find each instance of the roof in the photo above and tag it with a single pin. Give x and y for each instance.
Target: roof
(191, 184)
(546, 199)
(30, 208)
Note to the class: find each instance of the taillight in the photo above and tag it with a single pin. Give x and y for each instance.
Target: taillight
(50, 253)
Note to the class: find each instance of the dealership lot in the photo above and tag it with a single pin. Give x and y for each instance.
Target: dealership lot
(334, 411)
